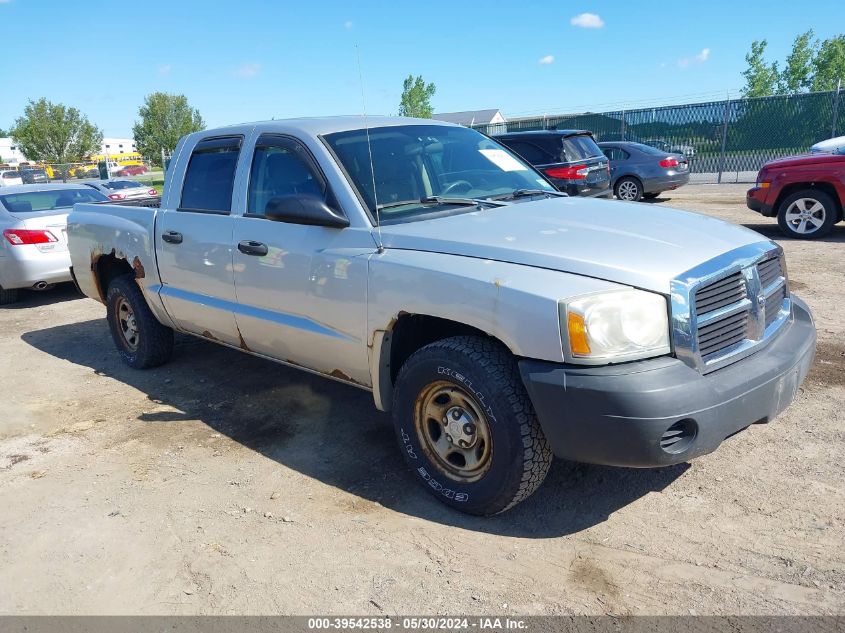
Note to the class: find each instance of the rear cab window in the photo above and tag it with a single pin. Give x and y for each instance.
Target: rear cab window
(210, 177)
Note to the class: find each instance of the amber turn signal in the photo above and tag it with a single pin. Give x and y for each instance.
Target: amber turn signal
(578, 342)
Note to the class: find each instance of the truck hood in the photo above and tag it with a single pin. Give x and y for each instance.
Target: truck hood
(640, 245)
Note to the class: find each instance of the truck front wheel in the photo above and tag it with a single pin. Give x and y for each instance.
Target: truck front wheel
(140, 339)
(466, 426)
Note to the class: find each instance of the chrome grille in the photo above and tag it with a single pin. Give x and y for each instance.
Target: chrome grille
(720, 293)
(773, 302)
(714, 337)
(769, 271)
(725, 308)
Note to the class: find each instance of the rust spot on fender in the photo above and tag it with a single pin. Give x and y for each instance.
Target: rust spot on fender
(138, 267)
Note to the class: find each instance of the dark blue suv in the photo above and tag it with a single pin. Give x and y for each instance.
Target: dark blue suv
(570, 159)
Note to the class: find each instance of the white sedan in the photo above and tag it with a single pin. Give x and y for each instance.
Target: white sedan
(10, 178)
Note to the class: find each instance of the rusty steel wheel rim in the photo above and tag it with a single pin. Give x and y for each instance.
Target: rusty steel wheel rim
(453, 431)
(127, 324)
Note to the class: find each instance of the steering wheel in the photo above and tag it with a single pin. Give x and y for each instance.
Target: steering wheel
(465, 184)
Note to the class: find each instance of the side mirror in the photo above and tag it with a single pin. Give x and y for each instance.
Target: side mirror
(304, 209)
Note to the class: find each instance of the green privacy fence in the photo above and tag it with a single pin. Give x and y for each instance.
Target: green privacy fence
(724, 140)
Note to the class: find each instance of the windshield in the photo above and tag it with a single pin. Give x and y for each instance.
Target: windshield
(415, 163)
(49, 200)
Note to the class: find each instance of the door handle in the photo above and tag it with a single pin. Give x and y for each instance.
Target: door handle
(172, 237)
(249, 247)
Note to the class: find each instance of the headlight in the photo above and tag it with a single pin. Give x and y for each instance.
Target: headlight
(615, 326)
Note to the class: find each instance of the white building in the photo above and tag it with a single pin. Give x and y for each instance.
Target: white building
(114, 146)
(486, 121)
(11, 155)
(9, 152)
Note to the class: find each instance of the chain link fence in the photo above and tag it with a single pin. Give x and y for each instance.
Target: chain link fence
(724, 141)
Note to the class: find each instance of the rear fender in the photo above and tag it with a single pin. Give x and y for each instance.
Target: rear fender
(102, 237)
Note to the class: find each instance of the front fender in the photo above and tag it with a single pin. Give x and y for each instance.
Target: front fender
(516, 304)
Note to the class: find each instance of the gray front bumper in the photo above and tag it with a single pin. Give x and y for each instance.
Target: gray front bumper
(618, 414)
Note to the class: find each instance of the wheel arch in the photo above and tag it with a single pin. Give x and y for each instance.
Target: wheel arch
(406, 334)
(824, 187)
(105, 268)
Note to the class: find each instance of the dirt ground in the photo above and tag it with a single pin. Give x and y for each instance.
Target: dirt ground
(225, 484)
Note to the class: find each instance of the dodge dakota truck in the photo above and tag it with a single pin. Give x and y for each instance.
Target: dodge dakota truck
(499, 321)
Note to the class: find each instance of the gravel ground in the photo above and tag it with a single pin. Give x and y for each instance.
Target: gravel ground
(225, 484)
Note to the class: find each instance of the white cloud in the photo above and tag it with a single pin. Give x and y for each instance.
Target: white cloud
(164, 69)
(699, 58)
(348, 24)
(545, 61)
(248, 70)
(587, 21)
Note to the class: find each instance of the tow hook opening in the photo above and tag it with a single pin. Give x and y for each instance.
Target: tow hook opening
(679, 437)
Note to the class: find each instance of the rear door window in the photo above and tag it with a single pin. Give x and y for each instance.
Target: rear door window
(616, 153)
(580, 147)
(530, 152)
(210, 177)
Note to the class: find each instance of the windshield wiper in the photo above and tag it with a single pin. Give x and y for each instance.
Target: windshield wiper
(443, 200)
(521, 193)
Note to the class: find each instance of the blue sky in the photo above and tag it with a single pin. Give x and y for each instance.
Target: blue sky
(250, 60)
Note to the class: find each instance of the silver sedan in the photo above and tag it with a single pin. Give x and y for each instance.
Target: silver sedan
(33, 219)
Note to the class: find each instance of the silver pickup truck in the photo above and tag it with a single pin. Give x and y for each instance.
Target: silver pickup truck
(499, 321)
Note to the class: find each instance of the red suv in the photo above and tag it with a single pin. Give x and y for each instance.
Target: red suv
(806, 193)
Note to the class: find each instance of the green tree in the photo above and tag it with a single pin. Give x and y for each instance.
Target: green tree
(829, 64)
(165, 118)
(54, 133)
(761, 78)
(416, 98)
(3, 133)
(797, 75)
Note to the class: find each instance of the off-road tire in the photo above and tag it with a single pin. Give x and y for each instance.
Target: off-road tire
(628, 183)
(155, 341)
(520, 455)
(8, 296)
(831, 214)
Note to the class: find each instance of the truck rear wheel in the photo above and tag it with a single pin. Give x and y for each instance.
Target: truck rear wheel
(466, 426)
(140, 339)
(8, 296)
(807, 214)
